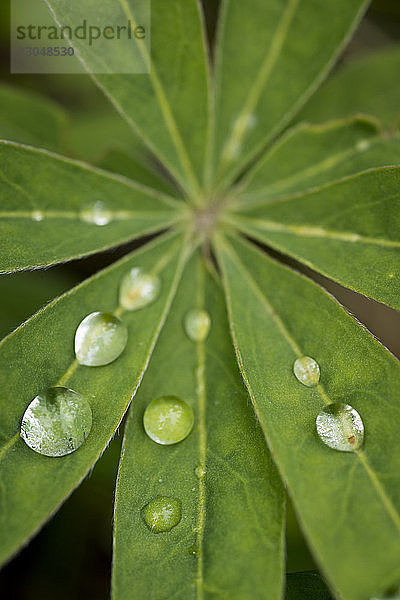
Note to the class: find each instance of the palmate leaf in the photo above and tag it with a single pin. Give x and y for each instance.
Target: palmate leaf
(369, 84)
(171, 119)
(229, 541)
(348, 230)
(348, 503)
(40, 354)
(43, 196)
(262, 46)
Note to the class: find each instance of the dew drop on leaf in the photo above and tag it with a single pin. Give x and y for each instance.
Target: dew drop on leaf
(193, 551)
(162, 514)
(100, 339)
(340, 427)
(200, 472)
(307, 371)
(197, 324)
(56, 422)
(138, 289)
(168, 420)
(37, 215)
(96, 214)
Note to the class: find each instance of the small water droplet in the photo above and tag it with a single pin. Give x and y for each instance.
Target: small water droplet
(306, 369)
(168, 420)
(160, 480)
(193, 550)
(139, 289)
(363, 145)
(390, 275)
(162, 514)
(100, 339)
(200, 472)
(340, 427)
(37, 215)
(197, 324)
(96, 214)
(56, 422)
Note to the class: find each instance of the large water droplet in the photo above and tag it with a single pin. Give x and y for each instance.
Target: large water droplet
(56, 422)
(340, 427)
(162, 514)
(307, 371)
(100, 338)
(139, 289)
(197, 324)
(96, 214)
(168, 420)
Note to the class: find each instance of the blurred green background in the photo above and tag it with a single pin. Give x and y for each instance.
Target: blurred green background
(71, 557)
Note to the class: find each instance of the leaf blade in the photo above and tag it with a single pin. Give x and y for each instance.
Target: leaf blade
(149, 102)
(368, 84)
(247, 121)
(40, 353)
(273, 321)
(355, 217)
(233, 515)
(43, 196)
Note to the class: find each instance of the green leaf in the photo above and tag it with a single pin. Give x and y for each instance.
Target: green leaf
(348, 230)
(306, 586)
(171, 119)
(43, 196)
(370, 84)
(128, 164)
(312, 155)
(348, 503)
(229, 541)
(29, 118)
(270, 58)
(40, 354)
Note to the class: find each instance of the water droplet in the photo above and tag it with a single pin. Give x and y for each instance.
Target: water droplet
(168, 420)
(363, 145)
(139, 289)
(56, 422)
(200, 472)
(307, 371)
(100, 338)
(37, 215)
(193, 551)
(197, 324)
(96, 214)
(162, 514)
(340, 427)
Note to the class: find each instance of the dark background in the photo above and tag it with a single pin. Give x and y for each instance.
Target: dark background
(71, 557)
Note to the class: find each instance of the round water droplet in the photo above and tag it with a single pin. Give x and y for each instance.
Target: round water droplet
(307, 371)
(200, 472)
(139, 289)
(96, 214)
(193, 551)
(197, 324)
(56, 422)
(100, 339)
(168, 420)
(340, 427)
(37, 215)
(162, 514)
